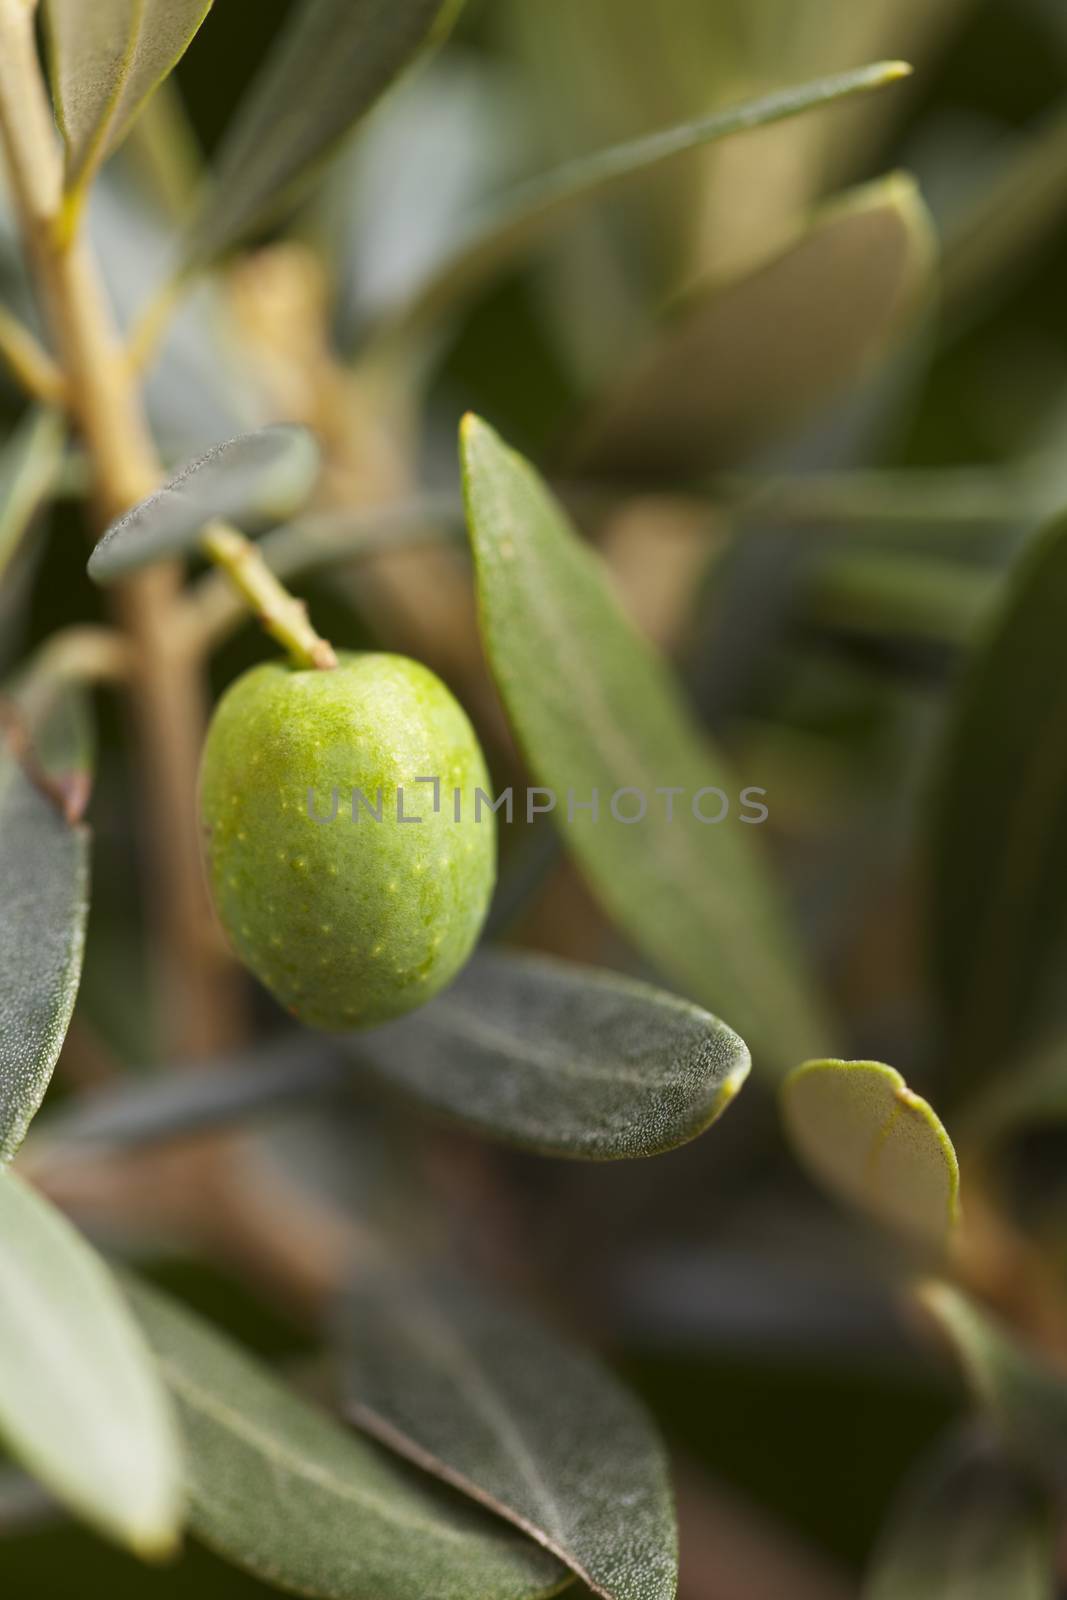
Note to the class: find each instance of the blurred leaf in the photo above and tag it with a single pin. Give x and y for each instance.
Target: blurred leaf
(180, 1102)
(477, 1393)
(970, 1527)
(328, 68)
(999, 234)
(245, 478)
(918, 596)
(866, 1136)
(107, 57)
(285, 1492)
(44, 871)
(1034, 1091)
(1025, 1398)
(526, 216)
(396, 205)
(997, 848)
(29, 465)
(743, 361)
(199, 385)
(596, 710)
(562, 1059)
(80, 1404)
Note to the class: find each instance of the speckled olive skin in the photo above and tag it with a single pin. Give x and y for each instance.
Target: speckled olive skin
(347, 923)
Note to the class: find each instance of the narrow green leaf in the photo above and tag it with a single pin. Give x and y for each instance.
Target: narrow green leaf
(971, 1526)
(252, 477)
(741, 361)
(44, 885)
(596, 710)
(283, 1491)
(997, 847)
(1024, 1397)
(523, 218)
(80, 1404)
(872, 1141)
(29, 465)
(477, 1393)
(332, 63)
(562, 1059)
(106, 59)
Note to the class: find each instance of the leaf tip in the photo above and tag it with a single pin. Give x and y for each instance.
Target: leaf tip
(473, 430)
(893, 71)
(157, 1543)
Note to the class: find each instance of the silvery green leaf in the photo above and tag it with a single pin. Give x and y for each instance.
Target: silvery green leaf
(872, 1141)
(107, 57)
(333, 61)
(562, 1059)
(81, 1406)
(284, 1491)
(478, 1393)
(596, 709)
(251, 478)
(971, 1526)
(44, 873)
(741, 361)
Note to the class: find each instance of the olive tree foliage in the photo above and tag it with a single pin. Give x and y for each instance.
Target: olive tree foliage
(229, 418)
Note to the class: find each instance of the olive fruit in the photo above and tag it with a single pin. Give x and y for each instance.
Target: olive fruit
(350, 856)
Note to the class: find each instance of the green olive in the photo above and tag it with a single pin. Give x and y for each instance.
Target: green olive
(345, 906)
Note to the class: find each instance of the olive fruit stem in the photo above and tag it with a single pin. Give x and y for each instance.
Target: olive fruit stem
(283, 616)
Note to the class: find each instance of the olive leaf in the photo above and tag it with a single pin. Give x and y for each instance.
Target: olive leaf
(562, 1059)
(740, 361)
(871, 1140)
(285, 1492)
(521, 219)
(253, 477)
(997, 845)
(477, 1393)
(332, 62)
(44, 906)
(597, 712)
(971, 1526)
(106, 59)
(81, 1406)
(1024, 1397)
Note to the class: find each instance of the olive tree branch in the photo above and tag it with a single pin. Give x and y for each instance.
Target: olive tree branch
(106, 406)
